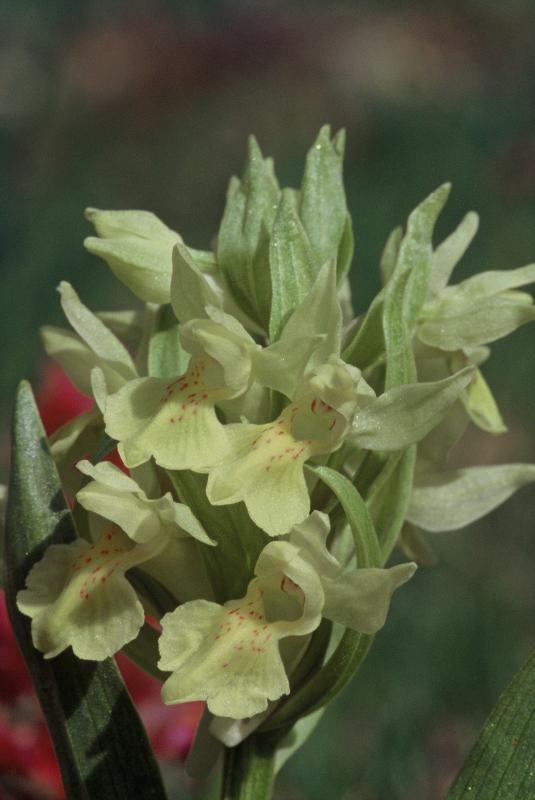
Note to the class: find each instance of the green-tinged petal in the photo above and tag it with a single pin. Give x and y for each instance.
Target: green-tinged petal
(319, 314)
(492, 282)
(451, 250)
(339, 385)
(360, 599)
(127, 325)
(116, 497)
(77, 438)
(134, 516)
(225, 340)
(99, 388)
(357, 598)
(109, 475)
(227, 655)
(282, 365)
(322, 206)
(459, 322)
(405, 414)
(292, 263)
(446, 501)
(95, 334)
(174, 421)
(481, 406)
(165, 355)
(77, 359)
(77, 596)
(264, 469)
(137, 247)
(191, 291)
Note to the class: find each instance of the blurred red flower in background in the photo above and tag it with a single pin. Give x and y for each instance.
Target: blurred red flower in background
(28, 769)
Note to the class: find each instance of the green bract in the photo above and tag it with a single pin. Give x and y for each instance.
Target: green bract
(276, 446)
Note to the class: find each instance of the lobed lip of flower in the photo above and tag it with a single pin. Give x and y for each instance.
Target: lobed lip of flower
(264, 464)
(229, 654)
(78, 595)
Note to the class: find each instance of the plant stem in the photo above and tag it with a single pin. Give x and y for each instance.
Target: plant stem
(248, 769)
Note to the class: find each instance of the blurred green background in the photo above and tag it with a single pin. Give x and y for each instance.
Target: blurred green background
(148, 105)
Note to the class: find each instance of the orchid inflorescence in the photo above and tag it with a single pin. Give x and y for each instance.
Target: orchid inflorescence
(278, 448)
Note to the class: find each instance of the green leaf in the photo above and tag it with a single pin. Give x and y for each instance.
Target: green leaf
(389, 499)
(390, 253)
(345, 249)
(322, 208)
(326, 684)
(500, 765)
(416, 249)
(446, 501)
(242, 251)
(357, 514)
(400, 363)
(407, 289)
(230, 564)
(292, 264)
(368, 343)
(166, 356)
(89, 713)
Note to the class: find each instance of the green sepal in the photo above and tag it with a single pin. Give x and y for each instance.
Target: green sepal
(459, 323)
(292, 263)
(166, 357)
(500, 765)
(450, 251)
(90, 716)
(405, 414)
(479, 310)
(452, 499)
